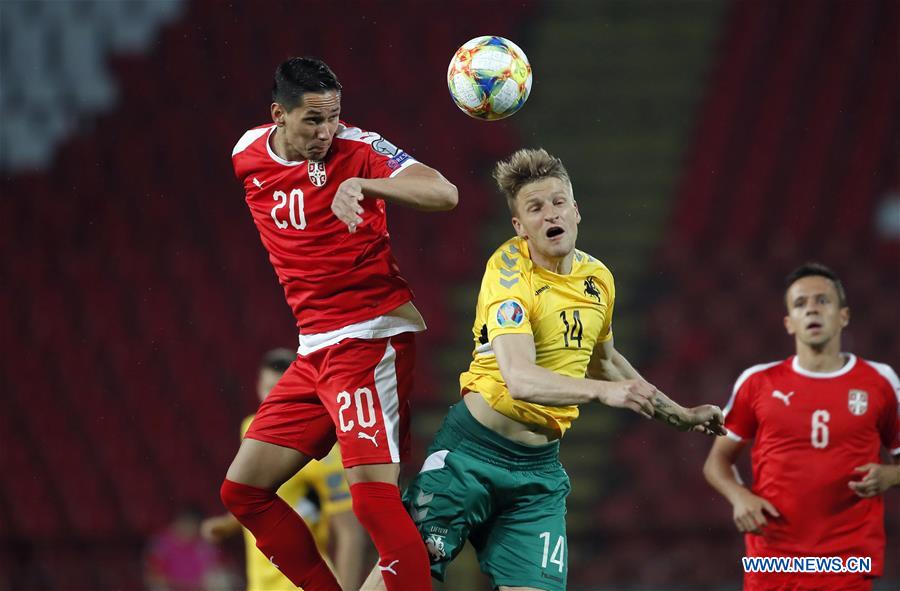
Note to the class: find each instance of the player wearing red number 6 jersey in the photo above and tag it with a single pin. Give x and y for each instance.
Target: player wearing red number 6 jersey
(818, 421)
(316, 188)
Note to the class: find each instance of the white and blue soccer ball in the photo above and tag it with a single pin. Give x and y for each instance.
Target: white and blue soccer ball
(489, 78)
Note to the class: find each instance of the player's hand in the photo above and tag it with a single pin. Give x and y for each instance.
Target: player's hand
(636, 395)
(216, 529)
(750, 513)
(346, 206)
(707, 419)
(878, 478)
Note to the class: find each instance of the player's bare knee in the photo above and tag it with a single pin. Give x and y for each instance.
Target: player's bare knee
(264, 465)
(389, 473)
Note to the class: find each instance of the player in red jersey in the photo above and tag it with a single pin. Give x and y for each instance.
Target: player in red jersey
(316, 188)
(818, 421)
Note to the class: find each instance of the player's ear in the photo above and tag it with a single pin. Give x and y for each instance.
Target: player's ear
(278, 114)
(787, 326)
(845, 317)
(577, 213)
(520, 229)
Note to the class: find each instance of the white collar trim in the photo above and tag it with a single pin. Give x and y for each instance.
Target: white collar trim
(851, 363)
(275, 156)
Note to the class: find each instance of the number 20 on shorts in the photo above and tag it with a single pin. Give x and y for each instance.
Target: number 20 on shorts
(365, 409)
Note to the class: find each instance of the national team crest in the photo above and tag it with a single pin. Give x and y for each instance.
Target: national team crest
(316, 169)
(436, 548)
(858, 402)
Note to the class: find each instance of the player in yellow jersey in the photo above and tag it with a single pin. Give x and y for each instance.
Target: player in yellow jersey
(319, 493)
(543, 345)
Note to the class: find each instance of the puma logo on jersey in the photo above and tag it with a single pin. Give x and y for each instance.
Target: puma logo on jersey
(389, 568)
(371, 438)
(257, 182)
(786, 398)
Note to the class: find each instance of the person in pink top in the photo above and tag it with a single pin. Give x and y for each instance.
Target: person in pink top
(179, 559)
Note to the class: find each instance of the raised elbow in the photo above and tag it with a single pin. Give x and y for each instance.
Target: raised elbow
(449, 197)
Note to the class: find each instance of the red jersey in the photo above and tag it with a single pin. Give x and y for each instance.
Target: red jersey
(331, 278)
(810, 431)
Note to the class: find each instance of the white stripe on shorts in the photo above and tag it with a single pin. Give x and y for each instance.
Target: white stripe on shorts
(386, 388)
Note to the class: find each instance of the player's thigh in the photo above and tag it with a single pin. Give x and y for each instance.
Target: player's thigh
(389, 473)
(264, 465)
(527, 545)
(365, 386)
(290, 427)
(450, 497)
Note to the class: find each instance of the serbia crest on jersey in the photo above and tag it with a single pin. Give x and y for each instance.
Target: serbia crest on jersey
(331, 278)
(810, 431)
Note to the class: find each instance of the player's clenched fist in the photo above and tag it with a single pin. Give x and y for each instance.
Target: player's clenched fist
(750, 512)
(345, 204)
(706, 418)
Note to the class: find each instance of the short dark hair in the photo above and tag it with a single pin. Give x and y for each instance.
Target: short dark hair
(278, 360)
(298, 75)
(813, 269)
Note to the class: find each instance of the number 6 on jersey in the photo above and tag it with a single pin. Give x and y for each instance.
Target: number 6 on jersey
(819, 435)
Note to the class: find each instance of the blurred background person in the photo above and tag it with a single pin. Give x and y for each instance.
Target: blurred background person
(318, 492)
(179, 559)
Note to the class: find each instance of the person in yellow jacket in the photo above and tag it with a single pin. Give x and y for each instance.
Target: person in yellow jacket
(319, 493)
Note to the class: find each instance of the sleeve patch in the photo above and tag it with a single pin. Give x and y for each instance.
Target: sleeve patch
(386, 148)
(510, 314)
(398, 160)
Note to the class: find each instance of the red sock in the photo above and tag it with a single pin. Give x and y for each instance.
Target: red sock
(403, 559)
(281, 534)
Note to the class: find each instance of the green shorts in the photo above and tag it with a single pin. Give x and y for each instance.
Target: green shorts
(506, 498)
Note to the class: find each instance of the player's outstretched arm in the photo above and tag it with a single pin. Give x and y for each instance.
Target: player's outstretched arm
(219, 528)
(608, 364)
(528, 381)
(749, 510)
(418, 186)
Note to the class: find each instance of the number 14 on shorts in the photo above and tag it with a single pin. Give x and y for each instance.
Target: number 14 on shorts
(556, 557)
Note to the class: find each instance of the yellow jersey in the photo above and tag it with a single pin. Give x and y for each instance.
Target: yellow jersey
(566, 314)
(326, 478)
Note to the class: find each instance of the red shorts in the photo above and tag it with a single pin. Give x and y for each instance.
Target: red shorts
(355, 392)
(806, 582)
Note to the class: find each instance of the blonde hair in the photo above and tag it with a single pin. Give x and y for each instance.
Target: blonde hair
(524, 167)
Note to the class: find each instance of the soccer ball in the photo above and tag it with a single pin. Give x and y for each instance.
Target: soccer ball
(489, 78)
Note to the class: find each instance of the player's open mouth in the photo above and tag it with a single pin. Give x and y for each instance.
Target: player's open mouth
(555, 231)
(813, 326)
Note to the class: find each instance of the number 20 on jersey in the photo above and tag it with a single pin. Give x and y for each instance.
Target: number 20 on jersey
(294, 216)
